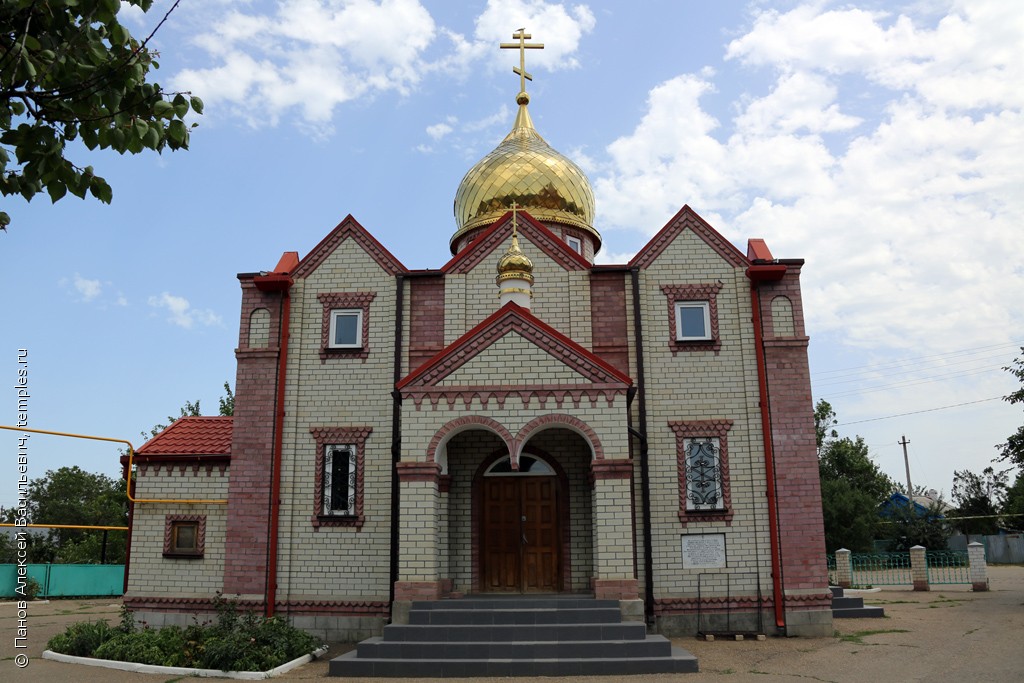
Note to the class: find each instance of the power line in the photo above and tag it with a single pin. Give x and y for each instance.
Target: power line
(916, 412)
(920, 359)
(910, 382)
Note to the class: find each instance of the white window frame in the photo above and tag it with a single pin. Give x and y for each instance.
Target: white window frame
(705, 306)
(351, 504)
(576, 244)
(339, 312)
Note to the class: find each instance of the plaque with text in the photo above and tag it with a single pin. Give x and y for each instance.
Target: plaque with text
(704, 551)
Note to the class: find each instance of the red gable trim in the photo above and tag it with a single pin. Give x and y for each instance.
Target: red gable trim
(688, 218)
(192, 436)
(513, 318)
(349, 227)
(537, 233)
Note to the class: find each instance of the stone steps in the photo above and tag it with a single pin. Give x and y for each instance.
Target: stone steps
(514, 636)
(845, 607)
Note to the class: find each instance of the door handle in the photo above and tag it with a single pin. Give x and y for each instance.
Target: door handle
(525, 542)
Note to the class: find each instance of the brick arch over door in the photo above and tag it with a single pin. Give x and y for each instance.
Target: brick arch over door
(436, 451)
(573, 424)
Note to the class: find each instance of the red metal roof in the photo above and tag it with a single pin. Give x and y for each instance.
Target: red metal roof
(192, 436)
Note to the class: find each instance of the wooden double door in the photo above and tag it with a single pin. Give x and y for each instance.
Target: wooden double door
(520, 537)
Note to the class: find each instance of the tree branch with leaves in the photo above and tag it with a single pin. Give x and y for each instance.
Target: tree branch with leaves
(69, 70)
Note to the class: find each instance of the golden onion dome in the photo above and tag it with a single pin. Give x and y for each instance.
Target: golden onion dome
(515, 265)
(524, 170)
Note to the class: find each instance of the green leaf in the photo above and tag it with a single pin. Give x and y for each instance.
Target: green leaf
(57, 191)
(18, 108)
(176, 131)
(197, 105)
(152, 138)
(90, 137)
(140, 128)
(98, 188)
(163, 109)
(5, 220)
(180, 105)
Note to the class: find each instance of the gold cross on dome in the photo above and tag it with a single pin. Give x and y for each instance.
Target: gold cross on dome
(514, 207)
(522, 36)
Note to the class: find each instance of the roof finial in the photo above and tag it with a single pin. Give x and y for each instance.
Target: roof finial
(514, 226)
(522, 36)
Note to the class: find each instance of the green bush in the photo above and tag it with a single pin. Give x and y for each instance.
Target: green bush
(235, 642)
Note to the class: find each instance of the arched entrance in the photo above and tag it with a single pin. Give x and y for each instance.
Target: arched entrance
(520, 527)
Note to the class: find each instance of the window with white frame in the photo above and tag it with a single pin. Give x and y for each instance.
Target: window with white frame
(346, 328)
(575, 243)
(703, 474)
(339, 480)
(693, 321)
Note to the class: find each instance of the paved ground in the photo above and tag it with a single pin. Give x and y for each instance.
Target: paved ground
(949, 634)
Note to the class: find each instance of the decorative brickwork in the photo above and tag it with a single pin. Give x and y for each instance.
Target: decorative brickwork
(483, 246)
(353, 608)
(531, 428)
(464, 423)
(616, 589)
(351, 300)
(327, 436)
(169, 524)
(612, 469)
(426, 323)
(703, 292)
(687, 218)
(348, 229)
(695, 429)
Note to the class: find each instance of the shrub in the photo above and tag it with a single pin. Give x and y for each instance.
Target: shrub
(83, 638)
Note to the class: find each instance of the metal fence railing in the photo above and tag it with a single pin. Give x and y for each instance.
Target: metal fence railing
(881, 569)
(948, 566)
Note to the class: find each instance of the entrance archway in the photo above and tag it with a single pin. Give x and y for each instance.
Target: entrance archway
(521, 533)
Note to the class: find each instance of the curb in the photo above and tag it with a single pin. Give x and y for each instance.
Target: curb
(185, 671)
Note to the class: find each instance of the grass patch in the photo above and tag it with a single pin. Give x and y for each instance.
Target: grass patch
(234, 642)
(859, 636)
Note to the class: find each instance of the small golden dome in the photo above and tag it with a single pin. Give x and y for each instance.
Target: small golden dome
(515, 265)
(524, 169)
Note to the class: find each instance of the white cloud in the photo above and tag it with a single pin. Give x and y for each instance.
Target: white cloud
(181, 313)
(89, 290)
(907, 211)
(439, 130)
(560, 29)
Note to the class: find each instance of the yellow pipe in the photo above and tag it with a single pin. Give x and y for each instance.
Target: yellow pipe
(131, 455)
(67, 526)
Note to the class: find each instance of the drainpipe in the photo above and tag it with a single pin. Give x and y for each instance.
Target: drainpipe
(762, 274)
(641, 434)
(276, 282)
(396, 432)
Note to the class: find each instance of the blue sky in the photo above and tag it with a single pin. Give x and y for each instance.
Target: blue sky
(880, 142)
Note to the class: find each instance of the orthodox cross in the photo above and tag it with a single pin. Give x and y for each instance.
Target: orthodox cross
(522, 36)
(514, 207)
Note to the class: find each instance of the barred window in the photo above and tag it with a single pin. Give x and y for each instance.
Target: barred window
(339, 480)
(703, 474)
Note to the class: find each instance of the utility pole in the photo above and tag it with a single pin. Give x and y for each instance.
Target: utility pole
(906, 462)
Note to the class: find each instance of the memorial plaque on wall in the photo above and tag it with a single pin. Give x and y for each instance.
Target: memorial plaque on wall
(703, 551)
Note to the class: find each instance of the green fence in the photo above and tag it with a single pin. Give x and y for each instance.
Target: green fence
(948, 566)
(66, 580)
(881, 569)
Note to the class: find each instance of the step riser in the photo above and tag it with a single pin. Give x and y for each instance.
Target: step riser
(513, 604)
(469, 668)
(452, 617)
(509, 633)
(858, 613)
(522, 650)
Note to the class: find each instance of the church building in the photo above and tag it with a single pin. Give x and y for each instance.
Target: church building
(519, 420)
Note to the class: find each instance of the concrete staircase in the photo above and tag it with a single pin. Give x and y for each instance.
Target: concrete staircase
(514, 636)
(852, 608)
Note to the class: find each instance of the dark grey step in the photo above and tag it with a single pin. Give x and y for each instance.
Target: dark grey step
(679, 661)
(652, 646)
(847, 603)
(514, 602)
(858, 613)
(837, 592)
(634, 630)
(474, 617)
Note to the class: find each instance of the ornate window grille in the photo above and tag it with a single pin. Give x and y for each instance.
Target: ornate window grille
(703, 474)
(339, 480)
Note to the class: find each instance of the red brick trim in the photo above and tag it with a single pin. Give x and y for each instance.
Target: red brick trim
(539, 424)
(616, 589)
(335, 300)
(611, 469)
(702, 292)
(696, 429)
(508, 319)
(353, 608)
(558, 393)
(418, 471)
(687, 218)
(417, 590)
(462, 424)
(348, 228)
(806, 602)
(193, 463)
(325, 436)
(169, 521)
(539, 235)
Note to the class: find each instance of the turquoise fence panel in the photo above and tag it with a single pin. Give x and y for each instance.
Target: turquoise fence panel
(881, 569)
(66, 580)
(948, 566)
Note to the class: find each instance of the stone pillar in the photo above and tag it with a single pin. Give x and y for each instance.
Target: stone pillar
(613, 532)
(919, 568)
(844, 568)
(979, 568)
(418, 577)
